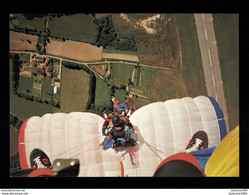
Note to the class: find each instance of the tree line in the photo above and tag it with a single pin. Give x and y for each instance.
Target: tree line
(15, 121)
(108, 38)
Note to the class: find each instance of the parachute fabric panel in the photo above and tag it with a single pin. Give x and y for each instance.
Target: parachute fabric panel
(73, 135)
(220, 117)
(21, 146)
(224, 162)
(165, 128)
(162, 128)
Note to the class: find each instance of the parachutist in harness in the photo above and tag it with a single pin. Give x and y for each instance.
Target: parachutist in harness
(123, 109)
(119, 132)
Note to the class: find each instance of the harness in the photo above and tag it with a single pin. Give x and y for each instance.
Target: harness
(109, 142)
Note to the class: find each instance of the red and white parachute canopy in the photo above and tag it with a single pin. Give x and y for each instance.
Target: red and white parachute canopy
(163, 129)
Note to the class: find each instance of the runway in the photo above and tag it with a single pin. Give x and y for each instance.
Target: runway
(210, 60)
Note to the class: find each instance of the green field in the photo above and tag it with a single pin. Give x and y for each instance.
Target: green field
(26, 83)
(74, 90)
(101, 92)
(36, 23)
(161, 85)
(47, 89)
(119, 51)
(191, 69)
(227, 35)
(77, 27)
(14, 133)
(121, 73)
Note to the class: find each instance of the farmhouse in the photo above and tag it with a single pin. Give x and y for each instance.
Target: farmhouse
(42, 64)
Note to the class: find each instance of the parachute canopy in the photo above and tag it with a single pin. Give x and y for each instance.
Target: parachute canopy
(163, 129)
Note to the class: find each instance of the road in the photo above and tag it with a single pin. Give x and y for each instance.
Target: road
(210, 60)
(95, 63)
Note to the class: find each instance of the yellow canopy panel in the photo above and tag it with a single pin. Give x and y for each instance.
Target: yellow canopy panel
(224, 162)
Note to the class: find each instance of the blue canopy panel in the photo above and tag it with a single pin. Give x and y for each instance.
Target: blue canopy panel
(220, 117)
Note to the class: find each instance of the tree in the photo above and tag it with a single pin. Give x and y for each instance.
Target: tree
(13, 120)
(130, 82)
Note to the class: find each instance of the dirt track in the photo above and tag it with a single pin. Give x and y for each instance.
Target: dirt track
(119, 56)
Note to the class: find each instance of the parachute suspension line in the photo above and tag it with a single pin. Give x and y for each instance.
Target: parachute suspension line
(80, 145)
(81, 152)
(87, 159)
(152, 148)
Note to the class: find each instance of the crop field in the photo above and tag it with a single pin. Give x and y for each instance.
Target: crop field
(74, 90)
(74, 50)
(22, 41)
(226, 28)
(78, 27)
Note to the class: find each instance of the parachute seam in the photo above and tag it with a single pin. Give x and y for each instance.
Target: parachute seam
(200, 114)
(101, 151)
(171, 127)
(65, 133)
(49, 134)
(159, 158)
(190, 126)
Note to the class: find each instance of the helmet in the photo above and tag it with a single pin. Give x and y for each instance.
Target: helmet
(115, 120)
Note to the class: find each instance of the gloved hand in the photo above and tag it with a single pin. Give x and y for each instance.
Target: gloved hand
(108, 130)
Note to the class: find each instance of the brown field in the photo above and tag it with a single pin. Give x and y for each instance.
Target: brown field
(120, 56)
(19, 41)
(99, 68)
(74, 50)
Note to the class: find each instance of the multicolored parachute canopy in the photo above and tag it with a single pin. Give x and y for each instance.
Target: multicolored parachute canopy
(162, 128)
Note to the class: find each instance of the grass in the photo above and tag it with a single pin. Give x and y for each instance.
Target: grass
(121, 73)
(14, 133)
(74, 90)
(160, 85)
(193, 74)
(25, 83)
(101, 92)
(47, 89)
(163, 49)
(78, 27)
(24, 109)
(226, 28)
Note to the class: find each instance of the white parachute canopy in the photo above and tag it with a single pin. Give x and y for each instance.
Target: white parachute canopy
(163, 129)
